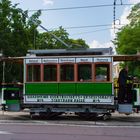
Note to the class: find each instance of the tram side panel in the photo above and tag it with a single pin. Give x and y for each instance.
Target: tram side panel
(62, 92)
(94, 93)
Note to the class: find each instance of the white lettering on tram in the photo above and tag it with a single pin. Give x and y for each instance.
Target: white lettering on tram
(102, 59)
(64, 60)
(84, 60)
(33, 61)
(49, 60)
(68, 99)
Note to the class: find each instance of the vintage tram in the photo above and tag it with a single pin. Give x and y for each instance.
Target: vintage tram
(80, 81)
(58, 81)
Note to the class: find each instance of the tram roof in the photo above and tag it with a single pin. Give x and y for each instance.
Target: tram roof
(89, 51)
(135, 57)
(84, 51)
(70, 52)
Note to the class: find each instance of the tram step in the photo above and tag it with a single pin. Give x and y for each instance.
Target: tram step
(125, 108)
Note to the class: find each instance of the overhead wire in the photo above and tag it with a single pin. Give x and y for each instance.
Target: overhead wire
(88, 32)
(89, 26)
(80, 7)
(87, 7)
(82, 27)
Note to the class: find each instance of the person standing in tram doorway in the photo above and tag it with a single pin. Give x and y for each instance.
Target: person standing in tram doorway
(122, 81)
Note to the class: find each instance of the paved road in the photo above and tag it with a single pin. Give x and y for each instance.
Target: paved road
(116, 119)
(67, 132)
(19, 126)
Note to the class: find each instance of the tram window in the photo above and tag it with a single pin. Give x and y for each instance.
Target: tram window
(102, 72)
(84, 72)
(50, 73)
(11, 95)
(33, 73)
(67, 72)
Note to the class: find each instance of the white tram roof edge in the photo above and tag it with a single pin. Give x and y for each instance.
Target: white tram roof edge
(87, 51)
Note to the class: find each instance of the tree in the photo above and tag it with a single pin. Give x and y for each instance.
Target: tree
(134, 16)
(78, 43)
(47, 41)
(128, 39)
(16, 35)
(16, 29)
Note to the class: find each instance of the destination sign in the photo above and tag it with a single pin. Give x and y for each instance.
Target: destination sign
(32, 61)
(83, 60)
(67, 60)
(49, 60)
(64, 60)
(102, 59)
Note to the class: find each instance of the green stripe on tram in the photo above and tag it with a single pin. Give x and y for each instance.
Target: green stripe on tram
(94, 88)
(69, 88)
(41, 88)
(12, 102)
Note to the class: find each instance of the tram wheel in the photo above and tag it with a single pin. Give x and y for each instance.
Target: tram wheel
(53, 115)
(32, 115)
(88, 115)
(106, 116)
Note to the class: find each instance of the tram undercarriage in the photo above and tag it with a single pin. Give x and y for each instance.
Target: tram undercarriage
(84, 111)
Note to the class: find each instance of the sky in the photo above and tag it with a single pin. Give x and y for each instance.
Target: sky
(96, 21)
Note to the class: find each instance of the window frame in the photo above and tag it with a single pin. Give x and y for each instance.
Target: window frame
(62, 64)
(109, 71)
(27, 72)
(85, 63)
(43, 72)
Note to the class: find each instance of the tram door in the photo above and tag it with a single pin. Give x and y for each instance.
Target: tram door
(136, 97)
(11, 99)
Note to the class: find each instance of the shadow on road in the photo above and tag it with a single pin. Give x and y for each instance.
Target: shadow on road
(24, 116)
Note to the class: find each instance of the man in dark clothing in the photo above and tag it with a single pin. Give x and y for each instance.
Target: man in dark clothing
(122, 80)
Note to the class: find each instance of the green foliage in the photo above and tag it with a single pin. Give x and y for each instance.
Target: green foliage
(134, 16)
(128, 39)
(18, 33)
(47, 41)
(16, 30)
(79, 43)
